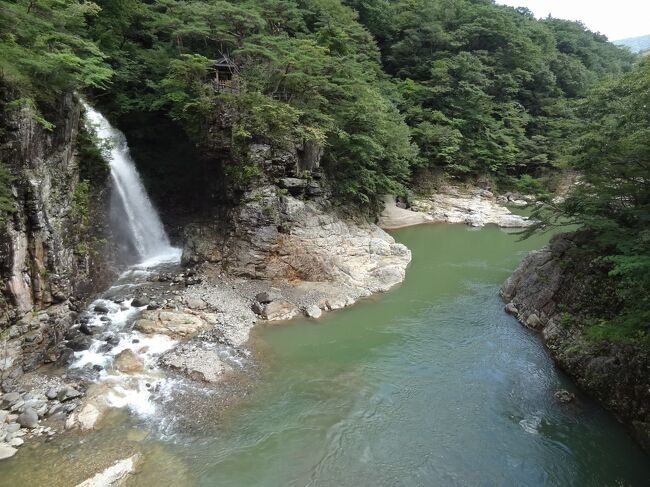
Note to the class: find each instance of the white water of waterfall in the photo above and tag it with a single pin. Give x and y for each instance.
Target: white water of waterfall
(110, 318)
(145, 231)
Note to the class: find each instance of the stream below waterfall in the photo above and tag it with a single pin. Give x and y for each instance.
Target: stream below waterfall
(430, 384)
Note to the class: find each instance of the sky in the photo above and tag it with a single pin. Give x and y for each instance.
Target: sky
(617, 19)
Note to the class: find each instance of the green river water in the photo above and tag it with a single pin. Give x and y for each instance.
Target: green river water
(432, 384)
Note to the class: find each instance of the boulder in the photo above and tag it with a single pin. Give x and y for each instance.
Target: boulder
(175, 324)
(28, 419)
(139, 302)
(564, 396)
(79, 342)
(100, 308)
(68, 393)
(128, 361)
(313, 311)
(268, 296)
(9, 399)
(16, 442)
(197, 361)
(85, 329)
(279, 310)
(293, 185)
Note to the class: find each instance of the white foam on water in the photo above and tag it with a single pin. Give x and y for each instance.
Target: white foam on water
(531, 425)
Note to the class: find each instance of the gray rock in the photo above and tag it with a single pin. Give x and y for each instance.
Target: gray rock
(66, 357)
(51, 393)
(564, 396)
(85, 329)
(3, 416)
(79, 343)
(313, 311)
(13, 427)
(18, 405)
(268, 296)
(533, 322)
(28, 419)
(101, 308)
(294, 185)
(139, 302)
(16, 442)
(9, 399)
(279, 310)
(511, 309)
(257, 308)
(67, 393)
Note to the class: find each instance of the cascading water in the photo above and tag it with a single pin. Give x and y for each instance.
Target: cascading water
(144, 230)
(110, 318)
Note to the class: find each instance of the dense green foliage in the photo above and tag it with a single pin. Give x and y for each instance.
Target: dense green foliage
(45, 49)
(488, 88)
(483, 88)
(612, 200)
(92, 161)
(6, 199)
(389, 88)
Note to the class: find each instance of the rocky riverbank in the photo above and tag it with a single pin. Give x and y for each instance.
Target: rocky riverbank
(546, 293)
(454, 204)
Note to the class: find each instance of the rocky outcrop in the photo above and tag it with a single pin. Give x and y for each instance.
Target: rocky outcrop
(47, 261)
(272, 235)
(277, 236)
(450, 204)
(548, 292)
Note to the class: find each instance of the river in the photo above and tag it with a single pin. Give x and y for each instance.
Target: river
(430, 384)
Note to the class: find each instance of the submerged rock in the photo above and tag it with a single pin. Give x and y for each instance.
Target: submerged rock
(114, 475)
(564, 396)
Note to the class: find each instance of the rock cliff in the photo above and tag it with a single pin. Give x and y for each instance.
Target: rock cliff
(549, 292)
(51, 250)
(275, 236)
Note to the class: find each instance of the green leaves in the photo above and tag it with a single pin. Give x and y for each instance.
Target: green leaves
(43, 49)
(6, 198)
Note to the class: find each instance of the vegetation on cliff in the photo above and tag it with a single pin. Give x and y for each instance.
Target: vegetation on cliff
(612, 204)
(387, 87)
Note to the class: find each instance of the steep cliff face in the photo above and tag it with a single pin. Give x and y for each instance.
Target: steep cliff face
(52, 252)
(548, 292)
(282, 227)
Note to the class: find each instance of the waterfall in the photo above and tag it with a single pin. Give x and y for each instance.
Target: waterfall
(143, 228)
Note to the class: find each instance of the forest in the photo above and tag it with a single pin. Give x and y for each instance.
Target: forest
(393, 91)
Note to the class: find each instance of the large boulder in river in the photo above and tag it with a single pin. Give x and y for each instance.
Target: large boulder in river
(128, 361)
(197, 361)
(175, 324)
